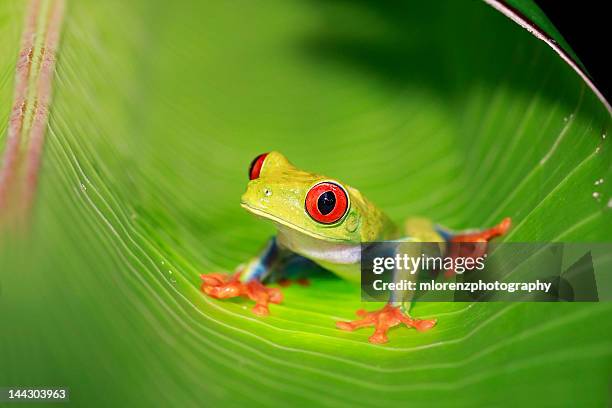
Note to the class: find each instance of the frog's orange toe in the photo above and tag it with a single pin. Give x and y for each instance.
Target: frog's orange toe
(382, 320)
(261, 310)
(362, 312)
(221, 286)
(504, 226)
(213, 279)
(276, 296)
(378, 338)
(345, 326)
(424, 325)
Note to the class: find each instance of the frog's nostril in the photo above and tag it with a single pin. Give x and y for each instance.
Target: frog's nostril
(267, 192)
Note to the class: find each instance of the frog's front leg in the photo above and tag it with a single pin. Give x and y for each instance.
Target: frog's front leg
(247, 280)
(396, 311)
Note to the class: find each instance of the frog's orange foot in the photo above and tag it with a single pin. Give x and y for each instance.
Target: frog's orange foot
(222, 286)
(382, 320)
(474, 245)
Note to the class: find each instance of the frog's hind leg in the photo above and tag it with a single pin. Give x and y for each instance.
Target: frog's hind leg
(247, 281)
(473, 243)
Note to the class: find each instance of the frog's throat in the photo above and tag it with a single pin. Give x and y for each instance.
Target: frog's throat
(286, 223)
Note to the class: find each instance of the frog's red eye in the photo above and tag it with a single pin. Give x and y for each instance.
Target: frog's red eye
(326, 202)
(256, 166)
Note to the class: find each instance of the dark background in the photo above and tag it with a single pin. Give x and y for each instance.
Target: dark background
(584, 27)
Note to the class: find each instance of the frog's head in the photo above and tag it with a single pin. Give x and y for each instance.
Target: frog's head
(309, 203)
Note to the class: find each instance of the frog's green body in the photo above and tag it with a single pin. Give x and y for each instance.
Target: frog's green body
(325, 221)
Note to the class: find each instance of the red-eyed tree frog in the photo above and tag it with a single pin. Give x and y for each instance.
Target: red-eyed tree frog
(325, 221)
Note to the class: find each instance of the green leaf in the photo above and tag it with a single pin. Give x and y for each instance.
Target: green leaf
(442, 109)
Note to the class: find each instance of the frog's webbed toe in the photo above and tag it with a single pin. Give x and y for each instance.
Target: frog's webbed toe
(382, 320)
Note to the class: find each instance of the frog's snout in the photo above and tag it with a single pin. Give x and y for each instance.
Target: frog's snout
(256, 192)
